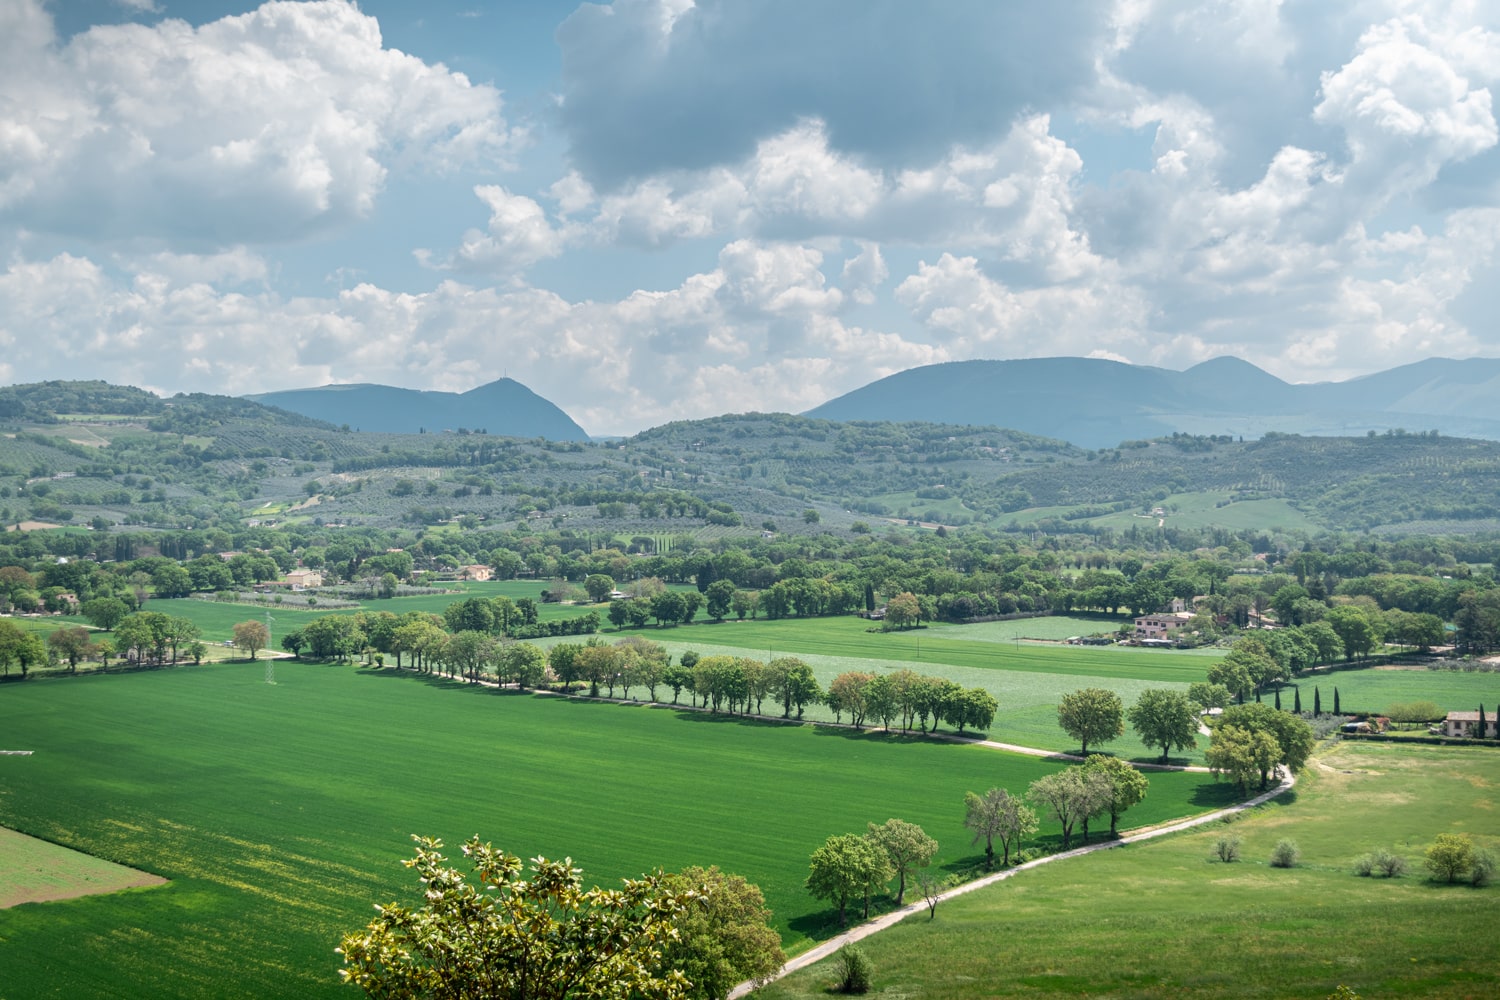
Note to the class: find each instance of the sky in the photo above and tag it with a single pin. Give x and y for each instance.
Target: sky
(655, 210)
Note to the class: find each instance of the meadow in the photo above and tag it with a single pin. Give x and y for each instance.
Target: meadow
(280, 813)
(1162, 918)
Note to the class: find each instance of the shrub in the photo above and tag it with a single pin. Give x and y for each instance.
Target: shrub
(1482, 868)
(1364, 865)
(1285, 854)
(1389, 863)
(1227, 847)
(854, 970)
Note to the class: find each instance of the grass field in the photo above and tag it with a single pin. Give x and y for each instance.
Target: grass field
(280, 813)
(1161, 919)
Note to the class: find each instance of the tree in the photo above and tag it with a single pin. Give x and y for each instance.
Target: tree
(978, 709)
(1071, 795)
(105, 612)
(599, 587)
(903, 611)
(1206, 695)
(726, 939)
(69, 644)
(251, 636)
(907, 847)
(1354, 629)
(1293, 737)
(1091, 715)
(846, 693)
(847, 864)
(1128, 786)
(1165, 718)
(997, 813)
(793, 681)
(509, 935)
(1450, 856)
(1241, 754)
(523, 663)
(720, 598)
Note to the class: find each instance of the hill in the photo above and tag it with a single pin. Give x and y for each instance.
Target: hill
(504, 407)
(118, 458)
(1095, 403)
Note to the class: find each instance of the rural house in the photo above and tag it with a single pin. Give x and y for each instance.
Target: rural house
(302, 579)
(1464, 724)
(1158, 625)
(477, 572)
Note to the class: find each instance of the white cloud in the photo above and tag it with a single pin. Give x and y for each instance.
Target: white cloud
(271, 125)
(1404, 107)
(518, 235)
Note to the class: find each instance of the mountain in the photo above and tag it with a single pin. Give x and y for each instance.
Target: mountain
(1096, 403)
(502, 407)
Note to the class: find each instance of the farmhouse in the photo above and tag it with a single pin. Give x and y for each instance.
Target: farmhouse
(477, 572)
(1158, 625)
(301, 579)
(1465, 724)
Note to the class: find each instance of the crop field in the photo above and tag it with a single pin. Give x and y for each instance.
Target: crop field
(1374, 690)
(1202, 510)
(852, 637)
(33, 870)
(280, 813)
(1162, 919)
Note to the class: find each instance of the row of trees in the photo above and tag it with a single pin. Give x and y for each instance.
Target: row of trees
(906, 697)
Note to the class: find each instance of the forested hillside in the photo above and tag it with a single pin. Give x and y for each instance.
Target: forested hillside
(118, 458)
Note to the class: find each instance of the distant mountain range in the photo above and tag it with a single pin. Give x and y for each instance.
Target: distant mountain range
(503, 407)
(1095, 403)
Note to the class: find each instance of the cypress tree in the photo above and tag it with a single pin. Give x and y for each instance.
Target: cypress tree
(1278, 699)
(1317, 701)
(1336, 702)
(1297, 700)
(1480, 734)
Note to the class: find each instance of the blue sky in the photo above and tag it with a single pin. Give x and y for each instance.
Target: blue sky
(655, 209)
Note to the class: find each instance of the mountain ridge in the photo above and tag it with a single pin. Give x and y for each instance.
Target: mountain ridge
(1098, 403)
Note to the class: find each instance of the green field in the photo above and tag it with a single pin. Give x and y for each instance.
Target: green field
(1162, 919)
(1202, 510)
(280, 813)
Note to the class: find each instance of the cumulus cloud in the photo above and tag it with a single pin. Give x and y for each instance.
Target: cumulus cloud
(1404, 106)
(270, 125)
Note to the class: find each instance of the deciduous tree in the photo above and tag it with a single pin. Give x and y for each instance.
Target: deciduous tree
(535, 935)
(1091, 715)
(251, 636)
(907, 846)
(1128, 786)
(847, 865)
(1165, 718)
(725, 939)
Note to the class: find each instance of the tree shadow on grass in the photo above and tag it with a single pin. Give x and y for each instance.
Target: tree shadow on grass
(439, 681)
